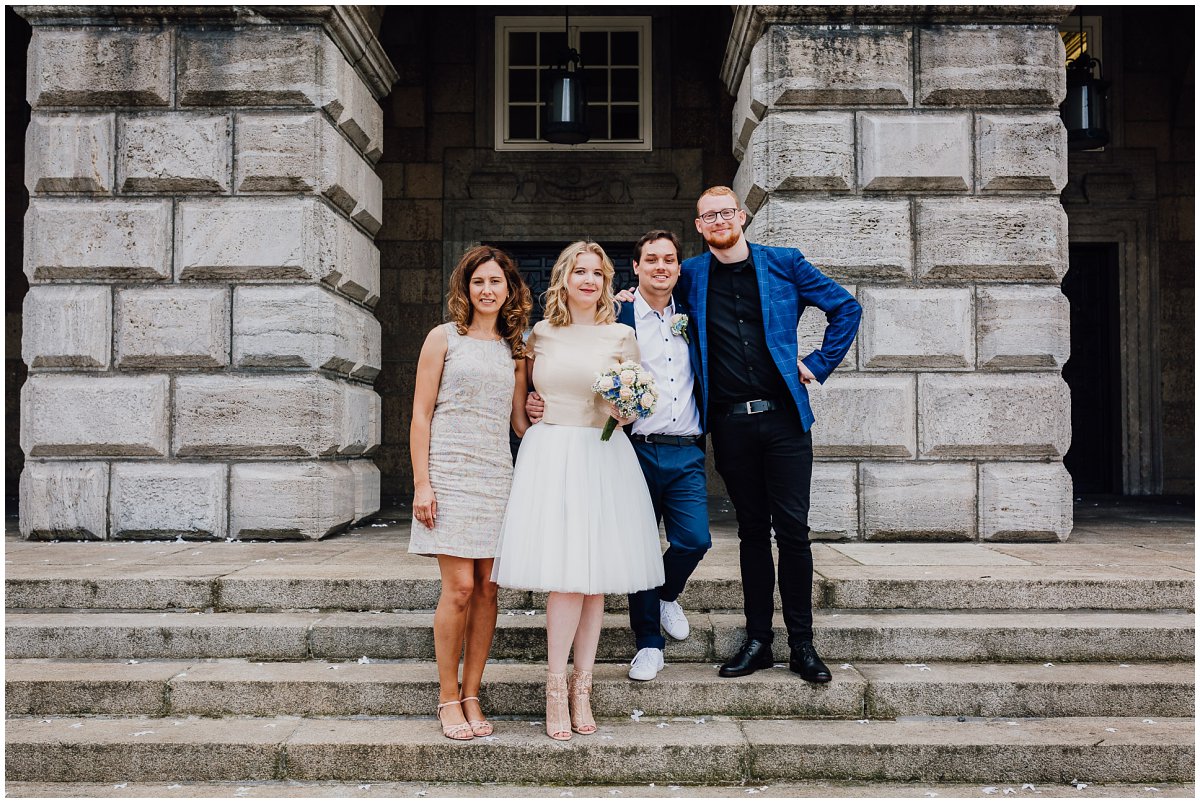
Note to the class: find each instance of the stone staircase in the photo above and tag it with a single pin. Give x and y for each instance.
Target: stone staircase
(177, 663)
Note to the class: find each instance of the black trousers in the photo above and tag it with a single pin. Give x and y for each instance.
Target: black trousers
(766, 460)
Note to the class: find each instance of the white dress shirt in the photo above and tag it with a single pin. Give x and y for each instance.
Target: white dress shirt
(666, 356)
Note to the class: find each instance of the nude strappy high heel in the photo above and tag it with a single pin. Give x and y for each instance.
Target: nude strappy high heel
(580, 698)
(479, 727)
(461, 732)
(558, 718)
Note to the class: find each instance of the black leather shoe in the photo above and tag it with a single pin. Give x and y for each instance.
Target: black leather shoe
(753, 656)
(808, 665)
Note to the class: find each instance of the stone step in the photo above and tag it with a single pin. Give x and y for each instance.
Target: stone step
(1101, 750)
(842, 635)
(788, 789)
(876, 691)
(278, 584)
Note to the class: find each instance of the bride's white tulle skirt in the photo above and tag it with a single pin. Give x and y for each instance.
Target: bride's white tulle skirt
(579, 518)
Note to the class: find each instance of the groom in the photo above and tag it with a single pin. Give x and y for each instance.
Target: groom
(669, 444)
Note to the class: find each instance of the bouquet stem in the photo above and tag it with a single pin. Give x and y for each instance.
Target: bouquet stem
(609, 426)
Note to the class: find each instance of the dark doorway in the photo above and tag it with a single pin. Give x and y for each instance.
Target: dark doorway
(537, 259)
(1094, 370)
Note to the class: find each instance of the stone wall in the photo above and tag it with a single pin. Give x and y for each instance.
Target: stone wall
(919, 162)
(199, 330)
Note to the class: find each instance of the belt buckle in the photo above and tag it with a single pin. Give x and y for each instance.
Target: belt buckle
(750, 408)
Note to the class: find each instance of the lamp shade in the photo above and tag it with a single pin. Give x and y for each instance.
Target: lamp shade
(564, 117)
(1085, 110)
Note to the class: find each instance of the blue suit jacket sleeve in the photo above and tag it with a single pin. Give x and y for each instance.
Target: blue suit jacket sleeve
(842, 313)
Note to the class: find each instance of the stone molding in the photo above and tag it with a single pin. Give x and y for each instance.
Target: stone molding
(347, 26)
(749, 22)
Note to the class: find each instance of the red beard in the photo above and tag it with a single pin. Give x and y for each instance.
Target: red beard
(724, 239)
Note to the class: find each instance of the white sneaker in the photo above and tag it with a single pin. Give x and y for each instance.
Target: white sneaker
(646, 663)
(674, 623)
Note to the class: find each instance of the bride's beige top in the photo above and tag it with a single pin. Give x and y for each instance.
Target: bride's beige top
(566, 361)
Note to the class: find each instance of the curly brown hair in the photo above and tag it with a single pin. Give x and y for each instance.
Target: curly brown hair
(514, 312)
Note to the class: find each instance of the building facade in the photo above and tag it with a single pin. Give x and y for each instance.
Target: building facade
(240, 220)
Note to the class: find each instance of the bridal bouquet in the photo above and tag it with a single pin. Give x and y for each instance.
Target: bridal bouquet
(630, 387)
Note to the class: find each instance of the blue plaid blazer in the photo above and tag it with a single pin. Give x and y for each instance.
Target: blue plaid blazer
(787, 283)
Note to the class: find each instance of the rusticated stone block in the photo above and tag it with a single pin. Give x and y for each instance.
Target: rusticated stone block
(361, 414)
(355, 267)
(366, 488)
(290, 500)
(993, 65)
(994, 415)
(1025, 502)
(63, 500)
(832, 65)
(279, 67)
(66, 326)
(833, 511)
(176, 152)
(304, 327)
(747, 111)
(1023, 327)
(848, 239)
(124, 240)
(172, 327)
(797, 151)
(810, 332)
(1022, 152)
(240, 67)
(169, 500)
(289, 153)
(919, 501)
(864, 416)
(69, 153)
(295, 415)
(908, 151)
(86, 416)
(917, 329)
(991, 239)
(99, 68)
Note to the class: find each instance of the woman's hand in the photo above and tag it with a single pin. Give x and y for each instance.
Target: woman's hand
(612, 410)
(425, 505)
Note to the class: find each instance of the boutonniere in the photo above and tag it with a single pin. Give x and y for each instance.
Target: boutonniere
(679, 323)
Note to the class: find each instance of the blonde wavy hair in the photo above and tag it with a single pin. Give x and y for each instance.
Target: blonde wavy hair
(514, 312)
(554, 301)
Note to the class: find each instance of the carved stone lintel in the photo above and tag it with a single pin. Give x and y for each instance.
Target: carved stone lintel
(350, 28)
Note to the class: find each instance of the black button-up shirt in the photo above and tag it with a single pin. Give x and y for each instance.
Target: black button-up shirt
(739, 363)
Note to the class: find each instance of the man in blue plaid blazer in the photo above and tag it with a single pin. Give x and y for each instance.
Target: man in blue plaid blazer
(746, 300)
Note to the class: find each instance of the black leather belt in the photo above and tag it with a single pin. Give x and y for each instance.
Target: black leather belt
(746, 408)
(670, 440)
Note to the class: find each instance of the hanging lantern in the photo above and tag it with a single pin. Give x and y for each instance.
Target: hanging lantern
(564, 117)
(1085, 110)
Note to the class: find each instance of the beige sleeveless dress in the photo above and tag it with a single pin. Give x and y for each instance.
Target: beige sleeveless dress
(470, 463)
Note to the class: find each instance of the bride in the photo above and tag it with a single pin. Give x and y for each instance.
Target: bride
(579, 522)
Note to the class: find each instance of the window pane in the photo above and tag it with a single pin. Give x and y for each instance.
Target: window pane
(522, 122)
(522, 48)
(625, 48)
(625, 122)
(554, 43)
(522, 85)
(596, 81)
(593, 47)
(597, 117)
(624, 85)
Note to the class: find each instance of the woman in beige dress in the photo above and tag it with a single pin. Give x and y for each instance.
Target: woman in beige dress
(579, 523)
(466, 391)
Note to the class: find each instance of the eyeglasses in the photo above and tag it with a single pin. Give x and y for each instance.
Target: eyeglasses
(726, 214)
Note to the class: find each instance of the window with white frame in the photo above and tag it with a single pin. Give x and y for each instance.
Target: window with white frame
(616, 58)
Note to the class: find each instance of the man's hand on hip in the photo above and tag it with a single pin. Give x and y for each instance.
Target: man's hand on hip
(806, 375)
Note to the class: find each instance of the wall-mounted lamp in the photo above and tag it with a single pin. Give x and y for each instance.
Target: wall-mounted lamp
(564, 117)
